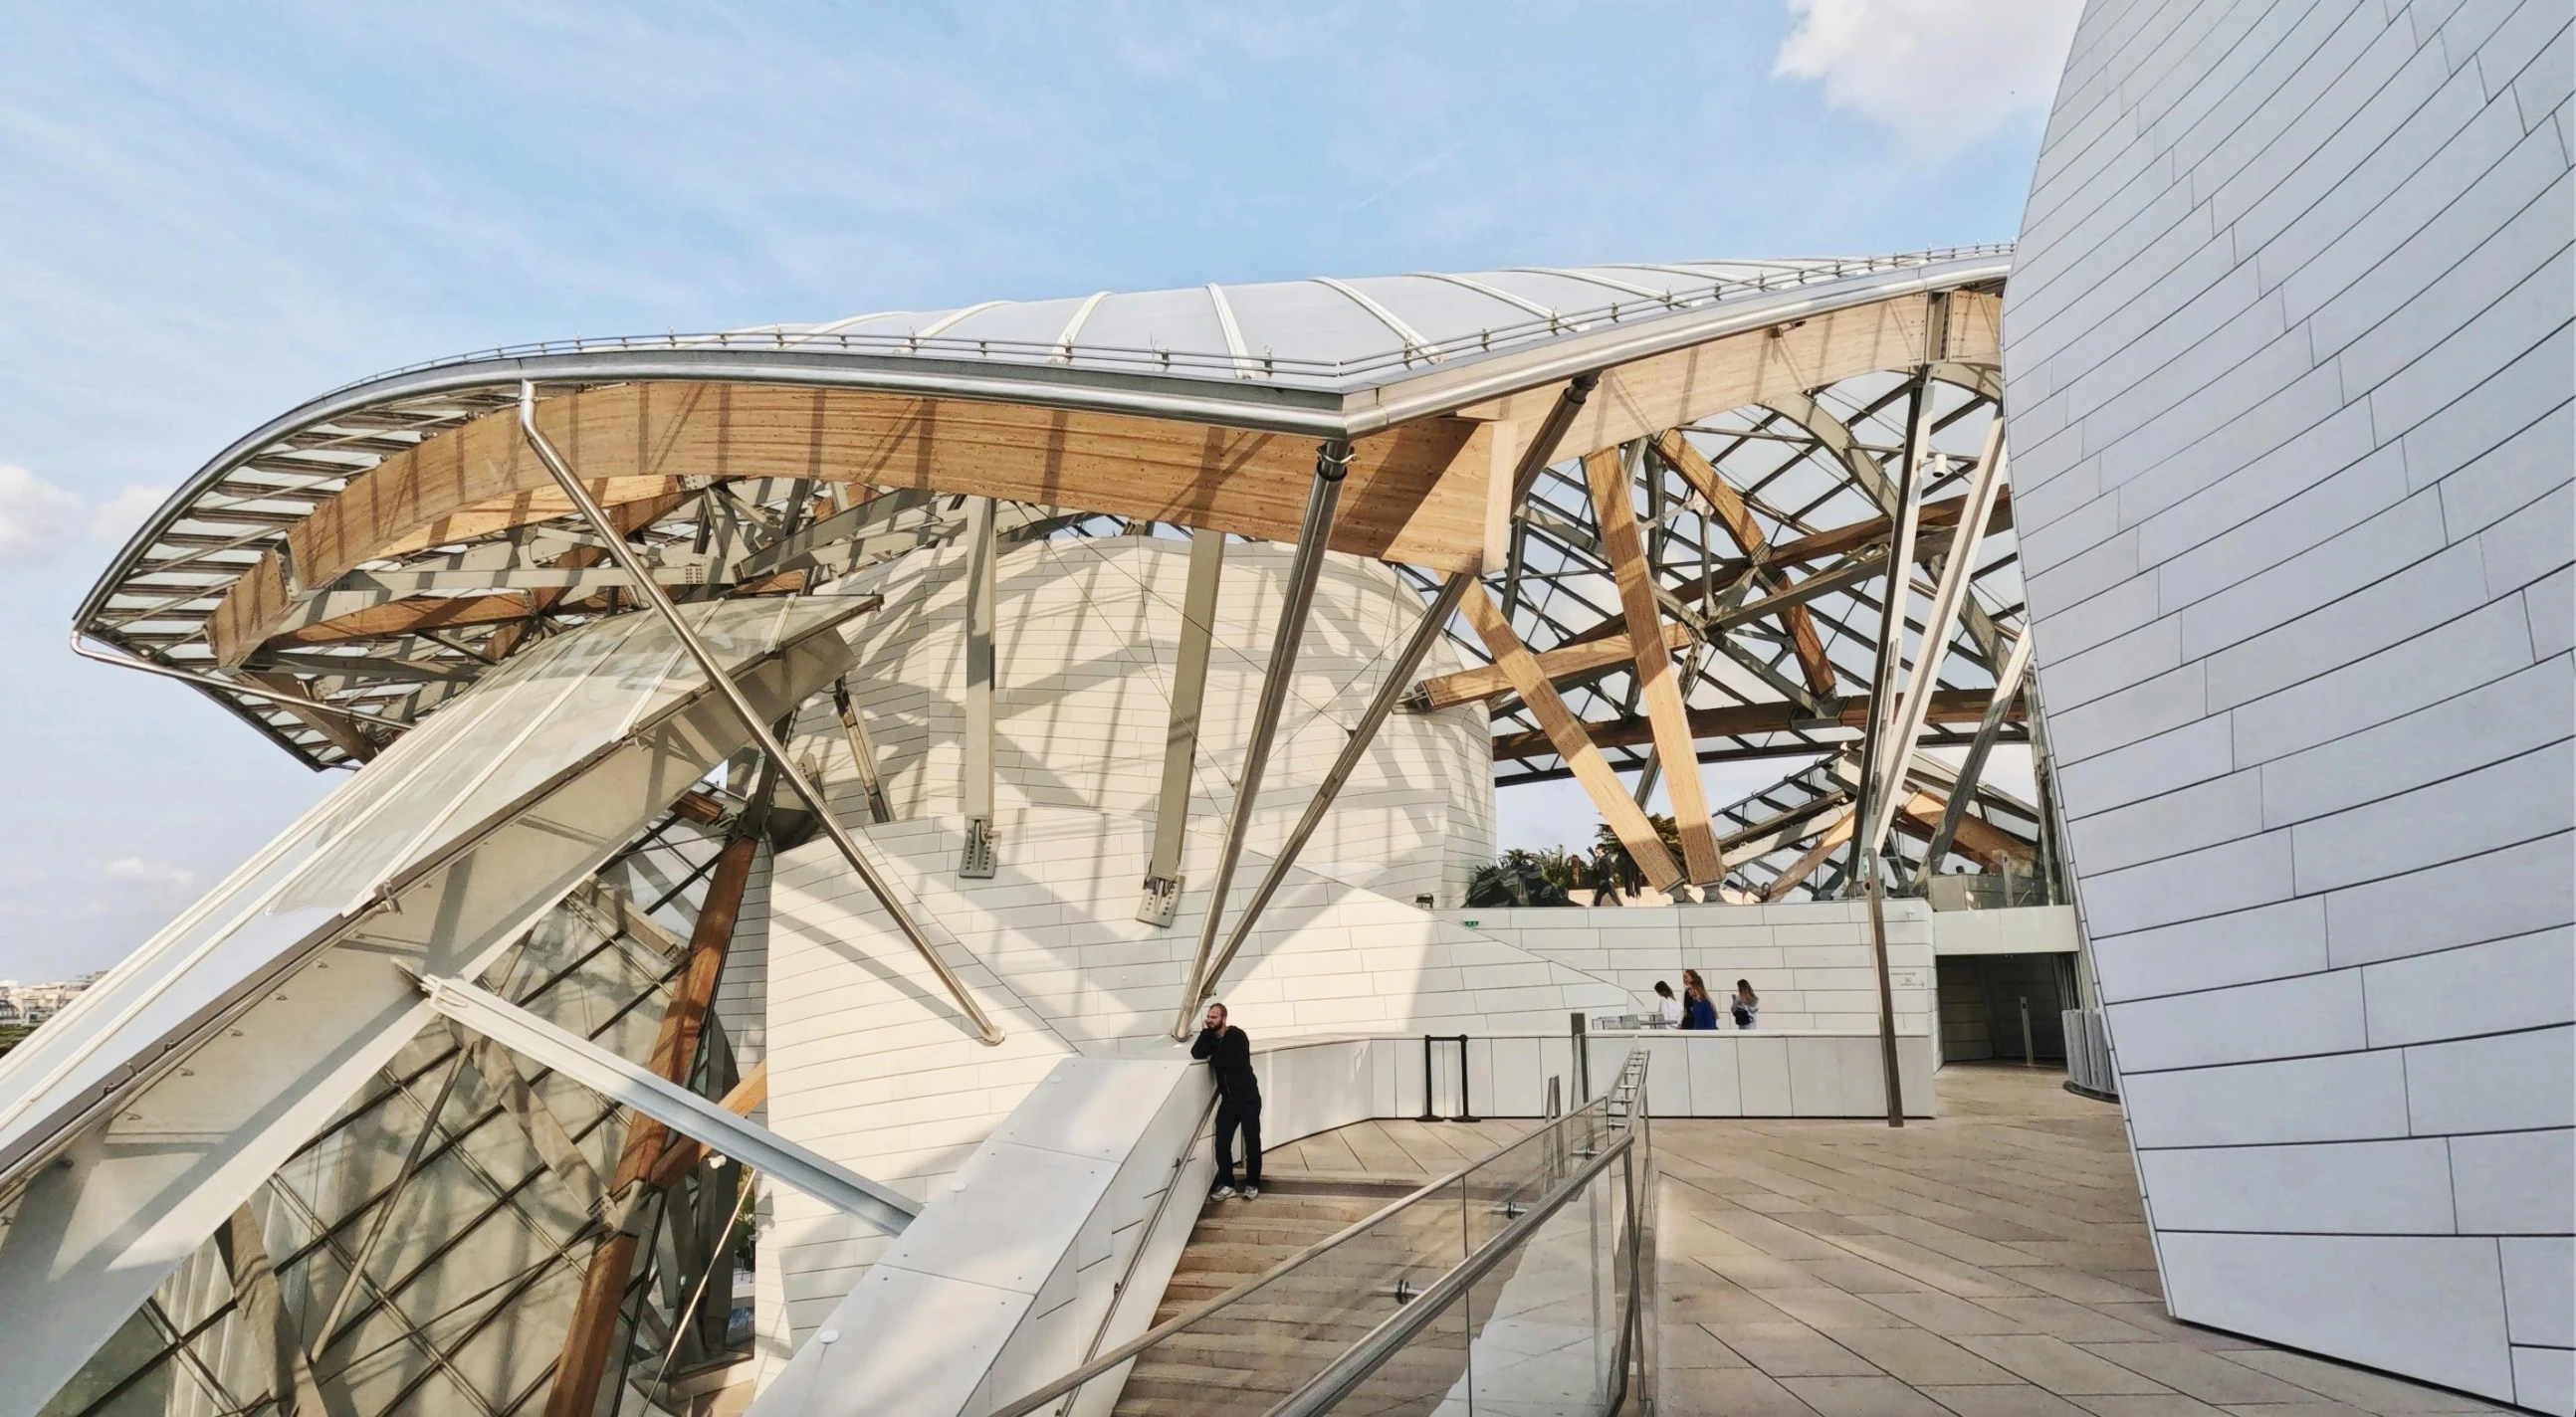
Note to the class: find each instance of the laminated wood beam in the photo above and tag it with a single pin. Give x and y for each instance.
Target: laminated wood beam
(1737, 518)
(1737, 720)
(1614, 510)
(1816, 855)
(1978, 840)
(416, 614)
(1565, 733)
(1417, 494)
(584, 1361)
(1645, 397)
(1487, 681)
(686, 1153)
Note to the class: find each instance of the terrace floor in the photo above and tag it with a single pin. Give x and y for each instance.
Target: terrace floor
(1991, 1263)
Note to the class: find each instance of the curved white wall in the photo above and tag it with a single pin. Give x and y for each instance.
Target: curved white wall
(1086, 637)
(868, 1063)
(2287, 349)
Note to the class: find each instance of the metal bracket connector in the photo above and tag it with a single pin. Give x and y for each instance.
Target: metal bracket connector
(1161, 901)
(978, 861)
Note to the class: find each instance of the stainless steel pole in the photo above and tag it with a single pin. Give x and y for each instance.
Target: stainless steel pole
(646, 590)
(1398, 683)
(1332, 464)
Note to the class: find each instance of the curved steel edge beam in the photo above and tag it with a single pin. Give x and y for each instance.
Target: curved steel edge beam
(1227, 402)
(1496, 376)
(883, 888)
(275, 696)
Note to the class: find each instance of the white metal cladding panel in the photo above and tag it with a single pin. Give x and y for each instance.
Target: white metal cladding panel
(1809, 962)
(2287, 348)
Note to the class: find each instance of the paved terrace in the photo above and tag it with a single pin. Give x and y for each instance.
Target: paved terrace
(1991, 1263)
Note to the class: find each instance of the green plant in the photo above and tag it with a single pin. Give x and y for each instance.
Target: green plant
(1515, 878)
(1615, 869)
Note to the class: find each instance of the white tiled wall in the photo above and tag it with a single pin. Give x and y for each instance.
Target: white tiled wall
(2287, 352)
(1810, 962)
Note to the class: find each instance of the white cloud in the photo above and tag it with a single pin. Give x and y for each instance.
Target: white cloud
(158, 873)
(1940, 74)
(116, 518)
(35, 515)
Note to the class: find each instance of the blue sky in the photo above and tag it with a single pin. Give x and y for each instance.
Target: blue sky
(217, 211)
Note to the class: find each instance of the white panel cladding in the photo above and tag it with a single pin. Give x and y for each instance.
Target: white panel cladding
(1016, 1261)
(2287, 349)
(1810, 961)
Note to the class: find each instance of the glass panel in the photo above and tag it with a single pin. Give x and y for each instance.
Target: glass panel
(579, 691)
(1545, 1322)
(1423, 1377)
(1540, 1333)
(1266, 1345)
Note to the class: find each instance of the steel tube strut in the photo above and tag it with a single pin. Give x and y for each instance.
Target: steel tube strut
(1866, 863)
(1998, 708)
(976, 792)
(885, 890)
(1162, 891)
(1958, 569)
(1398, 683)
(1332, 464)
(632, 1085)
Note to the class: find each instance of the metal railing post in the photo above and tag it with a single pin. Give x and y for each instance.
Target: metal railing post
(1429, 1113)
(1466, 1110)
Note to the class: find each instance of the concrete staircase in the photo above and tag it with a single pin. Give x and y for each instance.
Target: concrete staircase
(1267, 1345)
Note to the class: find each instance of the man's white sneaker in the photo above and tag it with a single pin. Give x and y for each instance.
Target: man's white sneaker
(1221, 1193)
(1250, 1192)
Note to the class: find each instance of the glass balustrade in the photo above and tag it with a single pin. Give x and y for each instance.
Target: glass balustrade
(1508, 1287)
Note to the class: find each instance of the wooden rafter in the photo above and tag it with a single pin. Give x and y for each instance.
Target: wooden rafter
(1737, 720)
(1614, 509)
(1609, 796)
(1737, 518)
(1488, 681)
(1416, 494)
(414, 614)
(628, 519)
(1834, 836)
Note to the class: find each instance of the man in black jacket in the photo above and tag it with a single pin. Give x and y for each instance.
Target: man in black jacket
(1238, 1102)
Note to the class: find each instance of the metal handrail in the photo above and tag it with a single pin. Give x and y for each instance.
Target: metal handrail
(1623, 1106)
(1390, 1336)
(1618, 1108)
(1075, 1379)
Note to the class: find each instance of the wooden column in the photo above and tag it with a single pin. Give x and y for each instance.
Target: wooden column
(1565, 733)
(1738, 520)
(1616, 512)
(584, 1363)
